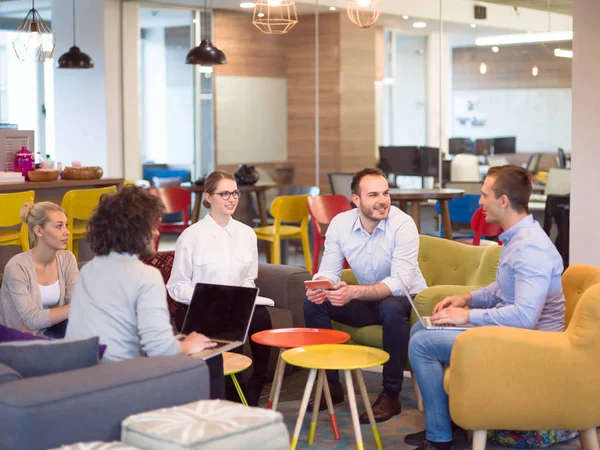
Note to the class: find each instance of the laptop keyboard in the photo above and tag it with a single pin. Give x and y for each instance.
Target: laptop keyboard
(429, 323)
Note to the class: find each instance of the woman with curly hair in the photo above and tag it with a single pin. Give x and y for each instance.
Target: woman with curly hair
(119, 298)
(37, 284)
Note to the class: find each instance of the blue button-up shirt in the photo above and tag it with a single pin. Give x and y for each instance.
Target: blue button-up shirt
(389, 255)
(527, 292)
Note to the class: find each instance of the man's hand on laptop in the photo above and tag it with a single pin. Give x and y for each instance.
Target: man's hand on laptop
(455, 301)
(451, 316)
(194, 343)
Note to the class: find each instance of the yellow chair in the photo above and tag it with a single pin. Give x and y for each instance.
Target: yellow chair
(287, 208)
(504, 378)
(10, 205)
(79, 205)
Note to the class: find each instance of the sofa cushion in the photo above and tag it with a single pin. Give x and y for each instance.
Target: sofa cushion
(8, 374)
(10, 335)
(97, 445)
(206, 424)
(43, 357)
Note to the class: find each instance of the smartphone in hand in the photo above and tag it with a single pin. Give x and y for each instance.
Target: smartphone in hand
(318, 284)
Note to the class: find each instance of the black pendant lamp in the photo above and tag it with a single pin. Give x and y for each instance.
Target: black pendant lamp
(75, 58)
(206, 54)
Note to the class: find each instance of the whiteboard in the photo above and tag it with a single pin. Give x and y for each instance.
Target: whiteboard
(251, 119)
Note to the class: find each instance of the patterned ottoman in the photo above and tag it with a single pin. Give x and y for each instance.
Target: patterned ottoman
(97, 445)
(207, 424)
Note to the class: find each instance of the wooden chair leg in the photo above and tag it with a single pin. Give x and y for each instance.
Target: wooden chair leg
(276, 251)
(589, 439)
(418, 395)
(479, 439)
(76, 248)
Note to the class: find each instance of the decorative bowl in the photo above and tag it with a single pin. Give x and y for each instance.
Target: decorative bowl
(82, 173)
(43, 175)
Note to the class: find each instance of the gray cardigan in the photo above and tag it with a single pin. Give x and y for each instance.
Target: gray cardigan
(20, 296)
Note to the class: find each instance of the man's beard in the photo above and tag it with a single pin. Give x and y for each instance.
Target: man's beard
(370, 213)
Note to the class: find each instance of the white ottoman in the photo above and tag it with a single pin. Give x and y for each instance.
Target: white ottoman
(97, 445)
(207, 424)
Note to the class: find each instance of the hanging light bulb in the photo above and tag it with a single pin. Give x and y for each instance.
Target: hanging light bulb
(363, 13)
(275, 16)
(34, 40)
(205, 54)
(535, 71)
(483, 68)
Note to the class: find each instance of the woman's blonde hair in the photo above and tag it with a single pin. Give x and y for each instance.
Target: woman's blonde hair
(37, 214)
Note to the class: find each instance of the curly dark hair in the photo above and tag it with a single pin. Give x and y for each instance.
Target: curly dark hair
(355, 184)
(125, 221)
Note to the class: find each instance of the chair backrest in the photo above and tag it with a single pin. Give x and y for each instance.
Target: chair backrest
(324, 208)
(340, 184)
(575, 281)
(298, 189)
(464, 167)
(494, 161)
(175, 199)
(483, 228)
(79, 204)
(470, 187)
(559, 182)
(290, 208)
(10, 205)
(461, 208)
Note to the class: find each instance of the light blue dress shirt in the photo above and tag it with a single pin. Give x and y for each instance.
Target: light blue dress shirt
(389, 255)
(527, 292)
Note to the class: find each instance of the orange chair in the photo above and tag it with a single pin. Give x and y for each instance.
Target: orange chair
(176, 200)
(322, 210)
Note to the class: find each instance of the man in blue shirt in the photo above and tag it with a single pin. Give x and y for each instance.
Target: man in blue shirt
(381, 244)
(527, 293)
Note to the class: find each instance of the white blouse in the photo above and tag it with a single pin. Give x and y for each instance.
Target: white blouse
(50, 294)
(208, 253)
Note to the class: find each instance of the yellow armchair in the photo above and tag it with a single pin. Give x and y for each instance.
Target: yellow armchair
(514, 379)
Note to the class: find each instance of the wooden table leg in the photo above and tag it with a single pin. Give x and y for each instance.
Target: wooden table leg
(316, 405)
(197, 204)
(415, 212)
(403, 205)
(261, 202)
(334, 426)
(365, 399)
(353, 409)
(307, 390)
(446, 219)
(277, 381)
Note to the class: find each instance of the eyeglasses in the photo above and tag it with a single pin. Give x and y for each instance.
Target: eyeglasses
(226, 194)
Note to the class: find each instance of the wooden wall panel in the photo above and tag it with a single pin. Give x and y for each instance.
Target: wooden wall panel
(301, 98)
(510, 68)
(358, 73)
(249, 52)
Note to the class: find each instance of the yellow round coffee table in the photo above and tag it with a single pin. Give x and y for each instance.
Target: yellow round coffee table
(349, 358)
(235, 363)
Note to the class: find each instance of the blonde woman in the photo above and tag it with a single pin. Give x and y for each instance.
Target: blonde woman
(37, 284)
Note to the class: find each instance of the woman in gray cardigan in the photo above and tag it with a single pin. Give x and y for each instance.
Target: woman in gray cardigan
(37, 284)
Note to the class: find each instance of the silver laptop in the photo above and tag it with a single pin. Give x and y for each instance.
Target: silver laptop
(426, 320)
(221, 313)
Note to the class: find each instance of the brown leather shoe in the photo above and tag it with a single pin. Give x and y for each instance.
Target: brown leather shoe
(337, 396)
(384, 409)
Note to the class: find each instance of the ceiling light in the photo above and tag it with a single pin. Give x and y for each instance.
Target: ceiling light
(419, 25)
(483, 68)
(332, 8)
(405, 17)
(563, 53)
(246, 5)
(526, 38)
(75, 58)
(495, 49)
(261, 14)
(274, 2)
(34, 40)
(535, 71)
(205, 54)
(473, 25)
(363, 13)
(275, 16)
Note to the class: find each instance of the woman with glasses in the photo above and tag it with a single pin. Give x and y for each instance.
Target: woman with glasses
(220, 250)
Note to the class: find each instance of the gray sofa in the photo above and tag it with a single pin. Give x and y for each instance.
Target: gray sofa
(89, 404)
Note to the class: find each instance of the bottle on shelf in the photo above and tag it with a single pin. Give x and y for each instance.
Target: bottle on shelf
(38, 160)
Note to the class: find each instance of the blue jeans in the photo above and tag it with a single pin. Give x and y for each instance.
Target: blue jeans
(429, 351)
(393, 313)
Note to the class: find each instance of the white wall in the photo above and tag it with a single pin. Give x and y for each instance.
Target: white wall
(585, 156)
(251, 119)
(539, 118)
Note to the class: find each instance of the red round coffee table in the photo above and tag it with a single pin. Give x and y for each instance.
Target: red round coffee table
(286, 338)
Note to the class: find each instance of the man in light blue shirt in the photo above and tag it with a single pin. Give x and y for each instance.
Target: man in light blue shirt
(527, 293)
(381, 244)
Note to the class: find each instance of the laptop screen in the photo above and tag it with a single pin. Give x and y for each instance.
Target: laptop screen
(220, 312)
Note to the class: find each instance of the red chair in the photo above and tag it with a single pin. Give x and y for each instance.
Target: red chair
(481, 228)
(323, 209)
(176, 200)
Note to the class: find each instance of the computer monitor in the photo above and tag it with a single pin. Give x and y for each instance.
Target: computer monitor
(484, 147)
(461, 145)
(533, 163)
(411, 161)
(562, 159)
(503, 145)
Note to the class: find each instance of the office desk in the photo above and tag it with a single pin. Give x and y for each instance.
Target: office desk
(416, 196)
